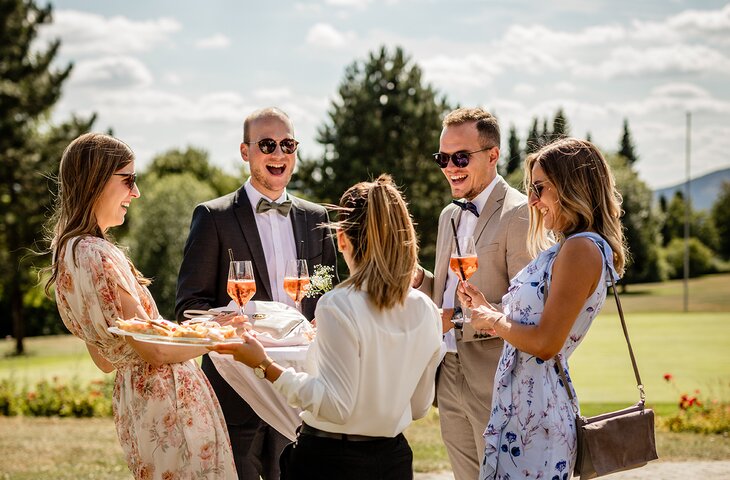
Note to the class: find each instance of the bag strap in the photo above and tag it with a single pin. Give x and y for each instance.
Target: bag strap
(639, 385)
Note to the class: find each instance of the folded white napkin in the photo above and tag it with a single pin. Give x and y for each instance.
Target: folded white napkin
(279, 326)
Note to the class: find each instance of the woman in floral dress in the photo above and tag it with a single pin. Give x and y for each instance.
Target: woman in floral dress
(168, 420)
(548, 309)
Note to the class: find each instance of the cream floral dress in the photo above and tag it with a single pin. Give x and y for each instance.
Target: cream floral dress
(531, 431)
(168, 419)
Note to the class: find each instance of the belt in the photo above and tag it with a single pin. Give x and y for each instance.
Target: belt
(305, 429)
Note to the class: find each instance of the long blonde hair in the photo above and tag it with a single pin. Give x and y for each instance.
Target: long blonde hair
(86, 166)
(587, 195)
(375, 218)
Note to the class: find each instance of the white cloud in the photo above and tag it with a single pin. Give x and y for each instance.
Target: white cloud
(565, 87)
(213, 42)
(326, 36)
(272, 94)
(172, 78)
(111, 73)
(89, 33)
(358, 4)
(673, 98)
(634, 61)
(679, 90)
(701, 23)
(523, 89)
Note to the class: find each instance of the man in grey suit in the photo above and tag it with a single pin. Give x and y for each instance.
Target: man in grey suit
(496, 215)
(263, 223)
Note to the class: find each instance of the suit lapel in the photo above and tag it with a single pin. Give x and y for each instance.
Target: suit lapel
(443, 254)
(300, 227)
(494, 203)
(247, 223)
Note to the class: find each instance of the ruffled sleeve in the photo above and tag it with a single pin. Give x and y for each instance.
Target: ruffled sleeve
(98, 274)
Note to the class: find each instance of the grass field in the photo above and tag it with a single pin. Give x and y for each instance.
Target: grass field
(694, 347)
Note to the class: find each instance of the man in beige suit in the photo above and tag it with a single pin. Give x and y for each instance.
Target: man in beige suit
(496, 215)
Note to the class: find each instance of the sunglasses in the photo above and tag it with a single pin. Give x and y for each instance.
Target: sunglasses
(129, 179)
(537, 188)
(460, 159)
(268, 145)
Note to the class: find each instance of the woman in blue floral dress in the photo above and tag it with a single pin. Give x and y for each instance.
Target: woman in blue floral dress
(572, 193)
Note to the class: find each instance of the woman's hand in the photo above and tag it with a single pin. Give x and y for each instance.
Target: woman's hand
(470, 296)
(235, 320)
(484, 318)
(250, 353)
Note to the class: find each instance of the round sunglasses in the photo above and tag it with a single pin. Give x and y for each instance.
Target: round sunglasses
(536, 188)
(129, 179)
(268, 145)
(460, 159)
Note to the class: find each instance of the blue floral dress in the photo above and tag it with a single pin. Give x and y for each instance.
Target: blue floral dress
(531, 432)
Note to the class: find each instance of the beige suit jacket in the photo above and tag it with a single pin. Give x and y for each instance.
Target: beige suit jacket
(500, 237)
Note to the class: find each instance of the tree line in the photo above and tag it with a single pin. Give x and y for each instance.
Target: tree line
(385, 118)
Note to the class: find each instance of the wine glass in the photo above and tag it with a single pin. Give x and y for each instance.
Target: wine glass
(296, 280)
(241, 282)
(463, 261)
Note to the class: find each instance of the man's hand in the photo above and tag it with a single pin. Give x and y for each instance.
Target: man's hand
(417, 277)
(446, 316)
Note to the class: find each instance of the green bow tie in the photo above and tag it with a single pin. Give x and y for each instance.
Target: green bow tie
(264, 206)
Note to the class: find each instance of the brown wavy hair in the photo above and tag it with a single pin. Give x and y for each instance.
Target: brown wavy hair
(587, 196)
(374, 217)
(86, 166)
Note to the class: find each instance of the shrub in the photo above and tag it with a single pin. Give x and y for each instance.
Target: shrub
(56, 398)
(700, 258)
(698, 413)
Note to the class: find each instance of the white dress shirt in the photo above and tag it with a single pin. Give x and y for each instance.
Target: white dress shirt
(467, 224)
(277, 238)
(368, 372)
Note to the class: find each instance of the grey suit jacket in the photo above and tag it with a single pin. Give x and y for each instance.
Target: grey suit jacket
(500, 237)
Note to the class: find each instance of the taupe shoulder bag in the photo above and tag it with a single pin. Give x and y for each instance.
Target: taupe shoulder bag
(619, 440)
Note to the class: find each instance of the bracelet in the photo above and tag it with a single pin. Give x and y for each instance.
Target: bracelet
(497, 321)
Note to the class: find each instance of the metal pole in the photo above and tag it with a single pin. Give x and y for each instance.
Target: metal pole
(687, 209)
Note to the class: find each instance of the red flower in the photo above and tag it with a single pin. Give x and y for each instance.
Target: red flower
(668, 377)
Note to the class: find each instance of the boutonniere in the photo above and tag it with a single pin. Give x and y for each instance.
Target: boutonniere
(320, 282)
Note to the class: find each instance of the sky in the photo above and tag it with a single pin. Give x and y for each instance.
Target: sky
(167, 74)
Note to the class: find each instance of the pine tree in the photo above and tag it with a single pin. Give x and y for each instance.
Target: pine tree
(561, 128)
(532, 144)
(385, 120)
(28, 90)
(514, 154)
(626, 148)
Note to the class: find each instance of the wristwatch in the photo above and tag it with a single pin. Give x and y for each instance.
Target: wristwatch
(260, 371)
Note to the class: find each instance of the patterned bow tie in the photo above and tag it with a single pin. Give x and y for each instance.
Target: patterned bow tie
(467, 206)
(264, 206)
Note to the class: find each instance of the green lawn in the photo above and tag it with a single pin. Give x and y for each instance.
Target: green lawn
(694, 347)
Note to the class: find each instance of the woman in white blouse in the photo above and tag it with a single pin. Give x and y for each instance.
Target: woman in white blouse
(370, 371)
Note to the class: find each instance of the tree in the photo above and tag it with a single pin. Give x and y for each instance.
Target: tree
(196, 162)
(532, 144)
(561, 127)
(641, 225)
(721, 216)
(384, 119)
(701, 224)
(159, 229)
(514, 152)
(626, 147)
(28, 90)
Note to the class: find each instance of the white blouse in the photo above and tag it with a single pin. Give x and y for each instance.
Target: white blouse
(368, 372)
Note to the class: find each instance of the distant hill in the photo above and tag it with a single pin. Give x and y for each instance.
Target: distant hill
(703, 190)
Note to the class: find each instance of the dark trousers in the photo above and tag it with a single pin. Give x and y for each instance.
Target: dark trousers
(315, 458)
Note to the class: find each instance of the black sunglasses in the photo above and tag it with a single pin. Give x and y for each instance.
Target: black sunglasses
(129, 179)
(537, 188)
(460, 159)
(268, 145)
